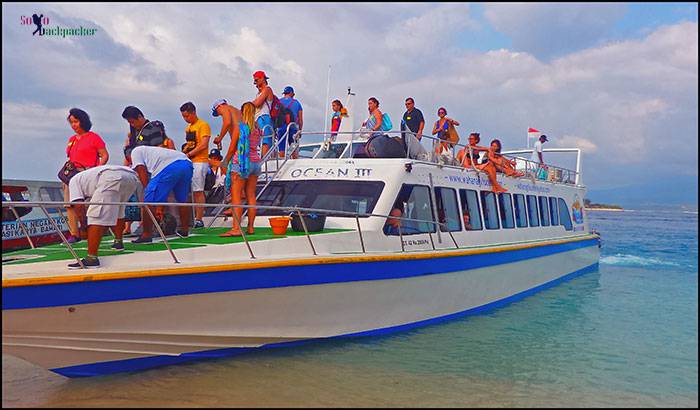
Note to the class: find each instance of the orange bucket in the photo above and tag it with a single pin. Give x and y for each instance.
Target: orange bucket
(279, 225)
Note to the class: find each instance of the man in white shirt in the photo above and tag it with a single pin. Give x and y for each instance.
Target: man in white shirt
(104, 183)
(171, 171)
(537, 151)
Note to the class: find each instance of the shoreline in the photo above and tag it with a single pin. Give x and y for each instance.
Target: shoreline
(605, 209)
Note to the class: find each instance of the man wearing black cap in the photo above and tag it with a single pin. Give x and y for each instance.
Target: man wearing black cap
(537, 151)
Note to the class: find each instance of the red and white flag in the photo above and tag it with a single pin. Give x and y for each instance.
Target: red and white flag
(532, 134)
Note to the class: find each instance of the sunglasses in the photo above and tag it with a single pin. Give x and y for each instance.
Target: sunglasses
(441, 112)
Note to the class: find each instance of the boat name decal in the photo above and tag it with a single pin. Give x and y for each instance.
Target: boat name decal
(470, 180)
(330, 172)
(532, 188)
(12, 230)
(415, 242)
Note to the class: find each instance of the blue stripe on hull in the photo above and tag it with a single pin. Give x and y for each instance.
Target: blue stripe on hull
(117, 366)
(67, 294)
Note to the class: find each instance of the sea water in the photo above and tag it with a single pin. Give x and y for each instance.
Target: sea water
(624, 335)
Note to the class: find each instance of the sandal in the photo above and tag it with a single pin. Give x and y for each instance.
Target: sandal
(230, 234)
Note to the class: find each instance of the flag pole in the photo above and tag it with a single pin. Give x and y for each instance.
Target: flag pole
(328, 92)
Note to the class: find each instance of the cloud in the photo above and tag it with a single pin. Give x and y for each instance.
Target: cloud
(604, 97)
(552, 29)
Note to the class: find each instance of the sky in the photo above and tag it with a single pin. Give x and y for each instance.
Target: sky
(617, 80)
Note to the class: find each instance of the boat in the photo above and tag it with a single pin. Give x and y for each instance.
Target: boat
(29, 227)
(460, 249)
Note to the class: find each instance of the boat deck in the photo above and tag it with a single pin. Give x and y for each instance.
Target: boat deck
(199, 237)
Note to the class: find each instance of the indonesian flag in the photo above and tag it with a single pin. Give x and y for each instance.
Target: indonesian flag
(532, 134)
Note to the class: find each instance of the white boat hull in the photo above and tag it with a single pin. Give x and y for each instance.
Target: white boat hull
(105, 337)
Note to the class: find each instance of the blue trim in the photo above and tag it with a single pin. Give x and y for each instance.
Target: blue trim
(75, 293)
(126, 365)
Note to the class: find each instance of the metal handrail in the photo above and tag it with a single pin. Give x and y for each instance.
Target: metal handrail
(271, 151)
(293, 209)
(567, 176)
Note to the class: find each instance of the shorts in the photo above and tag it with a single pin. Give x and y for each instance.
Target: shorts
(264, 123)
(176, 177)
(288, 140)
(112, 186)
(255, 168)
(199, 175)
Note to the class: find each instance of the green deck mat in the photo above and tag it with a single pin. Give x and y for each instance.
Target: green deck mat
(198, 238)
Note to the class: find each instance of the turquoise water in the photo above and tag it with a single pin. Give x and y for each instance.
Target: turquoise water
(626, 335)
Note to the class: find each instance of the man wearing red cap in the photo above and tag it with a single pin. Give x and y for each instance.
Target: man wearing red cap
(263, 105)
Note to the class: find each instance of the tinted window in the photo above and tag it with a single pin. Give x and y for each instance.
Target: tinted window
(448, 210)
(334, 151)
(488, 204)
(544, 211)
(348, 196)
(505, 207)
(564, 217)
(51, 194)
(520, 210)
(7, 214)
(470, 210)
(414, 202)
(532, 210)
(553, 211)
(308, 151)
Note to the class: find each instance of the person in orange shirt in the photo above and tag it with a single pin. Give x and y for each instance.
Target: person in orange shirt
(197, 135)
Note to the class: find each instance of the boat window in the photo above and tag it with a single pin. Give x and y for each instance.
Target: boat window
(470, 210)
(334, 151)
(488, 204)
(358, 150)
(544, 211)
(308, 151)
(505, 206)
(17, 194)
(532, 210)
(553, 211)
(564, 217)
(520, 210)
(51, 194)
(334, 195)
(447, 209)
(414, 202)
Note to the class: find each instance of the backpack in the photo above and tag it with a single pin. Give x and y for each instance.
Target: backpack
(386, 122)
(209, 180)
(153, 134)
(286, 115)
(275, 110)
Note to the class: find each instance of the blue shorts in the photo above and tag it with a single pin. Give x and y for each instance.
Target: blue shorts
(265, 126)
(289, 139)
(176, 177)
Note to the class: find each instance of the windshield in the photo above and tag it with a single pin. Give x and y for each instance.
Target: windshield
(334, 195)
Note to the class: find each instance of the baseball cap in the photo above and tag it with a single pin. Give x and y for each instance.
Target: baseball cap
(543, 136)
(260, 74)
(215, 152)
(216, 104)
(288, 90)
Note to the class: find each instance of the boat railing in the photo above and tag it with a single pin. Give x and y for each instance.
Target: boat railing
(531, 169)
(300, 211)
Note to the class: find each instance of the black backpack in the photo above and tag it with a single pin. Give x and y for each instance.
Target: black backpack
(283, 118)
(153, 134)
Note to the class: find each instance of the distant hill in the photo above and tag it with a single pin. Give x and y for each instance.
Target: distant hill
(668, 190)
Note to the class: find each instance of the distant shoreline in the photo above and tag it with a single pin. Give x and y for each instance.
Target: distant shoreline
(605, 209)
